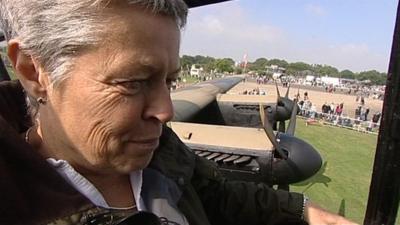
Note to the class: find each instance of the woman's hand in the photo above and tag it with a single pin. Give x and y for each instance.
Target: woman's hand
(315, 215)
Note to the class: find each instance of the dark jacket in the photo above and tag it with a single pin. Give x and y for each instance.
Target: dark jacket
(32, 192)
(209, 198)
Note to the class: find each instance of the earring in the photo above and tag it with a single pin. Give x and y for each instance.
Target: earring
(41, 100)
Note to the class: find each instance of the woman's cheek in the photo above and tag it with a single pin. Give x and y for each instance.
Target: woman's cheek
(97, 140)
(106, 122)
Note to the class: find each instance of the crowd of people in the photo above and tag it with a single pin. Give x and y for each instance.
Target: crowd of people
(334, 114)
(331, 112)
(254, 91)
(357, 89)
(335, 109)
(262, 79)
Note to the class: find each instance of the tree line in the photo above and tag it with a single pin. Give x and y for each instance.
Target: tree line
(298, 69)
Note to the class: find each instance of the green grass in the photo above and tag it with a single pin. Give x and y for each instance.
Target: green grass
(11, 73)
(9, 69)
(345, 181)
(190, 80)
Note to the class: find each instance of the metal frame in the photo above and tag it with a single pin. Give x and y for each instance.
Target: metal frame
(384, 195)
(196, 3)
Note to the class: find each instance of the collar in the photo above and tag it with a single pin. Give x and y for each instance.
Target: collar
(86, 188)
(173, 158)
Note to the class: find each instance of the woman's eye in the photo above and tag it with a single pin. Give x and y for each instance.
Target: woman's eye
(133, 84)
(133, 87)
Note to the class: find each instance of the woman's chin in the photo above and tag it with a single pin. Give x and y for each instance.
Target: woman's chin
(128, 165)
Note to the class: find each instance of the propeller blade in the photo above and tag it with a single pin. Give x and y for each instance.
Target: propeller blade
(287, 91)
(270, 134)
(292, 122)
(277, 98)
(277, 90)
(262, 114)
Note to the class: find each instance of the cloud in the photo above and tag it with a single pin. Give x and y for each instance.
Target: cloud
(354, 56)
(235, 24)
(211, 25)
(228, 33)
(236, 29)
(315, 10)
(220, 33)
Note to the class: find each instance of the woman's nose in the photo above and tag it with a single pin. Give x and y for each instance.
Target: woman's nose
(159, 105)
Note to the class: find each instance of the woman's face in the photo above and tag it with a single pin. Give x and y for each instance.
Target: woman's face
(108, 116)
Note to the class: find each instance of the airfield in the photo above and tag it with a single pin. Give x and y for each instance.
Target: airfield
(316, 97)
(342, 185)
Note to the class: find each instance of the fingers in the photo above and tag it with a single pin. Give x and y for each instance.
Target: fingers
(316, 215)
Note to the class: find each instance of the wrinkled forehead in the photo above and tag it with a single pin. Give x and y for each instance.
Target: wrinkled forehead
(131, 21)
(129, 27)
(173, 11)
(135, 38)
(132, 27)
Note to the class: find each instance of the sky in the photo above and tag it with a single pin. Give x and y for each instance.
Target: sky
(346, 34)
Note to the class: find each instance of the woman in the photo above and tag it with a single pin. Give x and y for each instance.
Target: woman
(97, 74)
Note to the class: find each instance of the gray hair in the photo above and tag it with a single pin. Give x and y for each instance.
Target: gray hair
(54, 31)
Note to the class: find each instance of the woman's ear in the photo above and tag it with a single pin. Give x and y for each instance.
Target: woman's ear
(28, 70)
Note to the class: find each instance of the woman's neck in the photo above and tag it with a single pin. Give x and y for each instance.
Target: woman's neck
(115, 189)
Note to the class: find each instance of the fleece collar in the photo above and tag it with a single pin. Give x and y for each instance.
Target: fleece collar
(173, 158)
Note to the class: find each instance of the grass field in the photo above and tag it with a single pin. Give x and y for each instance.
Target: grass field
(343, 183)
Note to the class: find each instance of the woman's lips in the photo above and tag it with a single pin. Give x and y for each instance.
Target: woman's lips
(150, 143)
